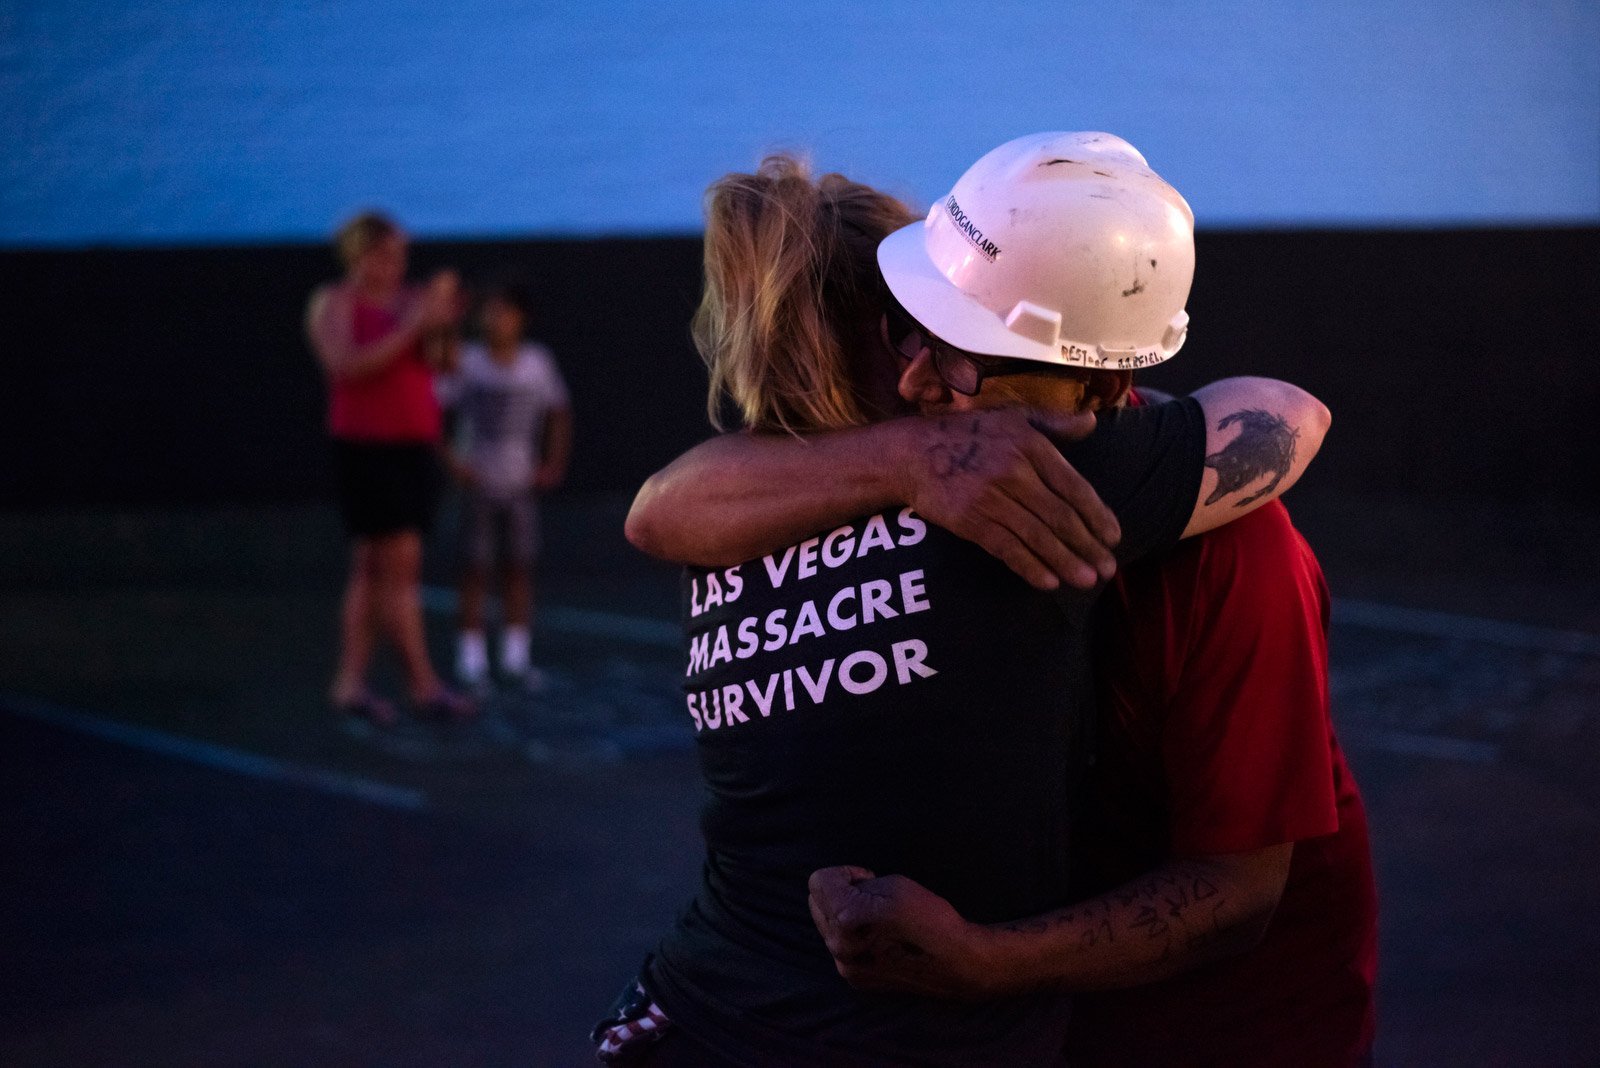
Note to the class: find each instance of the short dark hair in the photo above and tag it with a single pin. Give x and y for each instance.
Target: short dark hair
(516, 293)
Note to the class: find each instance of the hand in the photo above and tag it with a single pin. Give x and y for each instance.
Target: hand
(547, 477)
(891, 933)
(462, 472)
(441, 300)
(994, 478)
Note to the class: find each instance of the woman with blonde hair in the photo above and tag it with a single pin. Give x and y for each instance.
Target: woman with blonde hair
(883, 693)
(379, 342)
(793, 296)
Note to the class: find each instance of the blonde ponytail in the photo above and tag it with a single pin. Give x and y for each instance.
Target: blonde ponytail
(792, 295)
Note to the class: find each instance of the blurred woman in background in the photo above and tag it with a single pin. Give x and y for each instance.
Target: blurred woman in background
(380, 342)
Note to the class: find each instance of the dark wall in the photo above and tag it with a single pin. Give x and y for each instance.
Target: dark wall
(1454, 361)
(183, 375)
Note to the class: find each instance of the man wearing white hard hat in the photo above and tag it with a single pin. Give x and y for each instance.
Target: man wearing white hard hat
(1048, 336)
(1226, 842)
(1063, 249)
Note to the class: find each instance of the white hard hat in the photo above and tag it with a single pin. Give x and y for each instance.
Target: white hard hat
(1060, 247)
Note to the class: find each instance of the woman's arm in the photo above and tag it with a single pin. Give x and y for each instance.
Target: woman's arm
(1260, 435)
(330, 326)
(441, 347)
(993, 478)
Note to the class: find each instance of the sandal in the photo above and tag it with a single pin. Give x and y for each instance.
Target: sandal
(446, 706)
(370, 708)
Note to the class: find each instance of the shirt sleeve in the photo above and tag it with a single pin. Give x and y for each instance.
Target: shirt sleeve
(1247, 738)
(1146, 463)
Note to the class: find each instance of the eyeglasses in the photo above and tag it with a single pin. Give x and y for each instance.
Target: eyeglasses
(962, 371)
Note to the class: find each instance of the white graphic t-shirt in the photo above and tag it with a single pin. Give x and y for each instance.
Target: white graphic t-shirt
(503, 408)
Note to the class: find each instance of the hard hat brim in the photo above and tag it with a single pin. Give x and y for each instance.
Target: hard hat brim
(953, 315)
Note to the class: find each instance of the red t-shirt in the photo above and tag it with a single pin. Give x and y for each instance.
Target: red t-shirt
(395, 404)
(1216, 738)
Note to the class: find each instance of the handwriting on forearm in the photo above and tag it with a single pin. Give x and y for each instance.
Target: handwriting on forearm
(1176, 913)
(1167, 895)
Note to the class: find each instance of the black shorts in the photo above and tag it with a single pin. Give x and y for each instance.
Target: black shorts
(386, 488)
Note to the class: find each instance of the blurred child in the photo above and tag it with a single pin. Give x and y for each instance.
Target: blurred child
(514, 441)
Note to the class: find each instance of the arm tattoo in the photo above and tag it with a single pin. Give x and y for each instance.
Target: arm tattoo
(1265, 446)
(1181, 903)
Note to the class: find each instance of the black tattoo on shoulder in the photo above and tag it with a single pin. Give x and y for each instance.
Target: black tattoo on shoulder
(1265, 446)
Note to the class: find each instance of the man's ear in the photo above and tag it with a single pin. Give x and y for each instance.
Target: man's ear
(1106, 389)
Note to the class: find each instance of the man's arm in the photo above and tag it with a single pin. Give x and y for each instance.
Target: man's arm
(891, 933)
(1260, 436)
(991, 477)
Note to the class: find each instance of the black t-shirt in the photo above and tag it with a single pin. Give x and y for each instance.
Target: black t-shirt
(888, 695)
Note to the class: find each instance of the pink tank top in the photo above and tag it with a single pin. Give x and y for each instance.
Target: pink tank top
(395, 405)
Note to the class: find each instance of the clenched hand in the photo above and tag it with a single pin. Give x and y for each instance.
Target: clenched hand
(892, 933)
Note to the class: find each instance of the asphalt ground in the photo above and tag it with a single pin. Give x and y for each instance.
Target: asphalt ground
(203, 866)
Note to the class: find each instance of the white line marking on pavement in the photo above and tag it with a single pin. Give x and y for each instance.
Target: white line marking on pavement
(1426, 745)
(215, 756)
(1374, 616)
